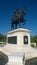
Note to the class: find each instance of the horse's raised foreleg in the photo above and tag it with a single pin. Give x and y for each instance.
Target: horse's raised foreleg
(12, 26)
(16, 26)
(19, 23)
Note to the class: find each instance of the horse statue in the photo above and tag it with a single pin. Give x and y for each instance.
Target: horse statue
(18, 18)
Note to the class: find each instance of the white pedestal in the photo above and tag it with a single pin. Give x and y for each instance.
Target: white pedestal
(19, 33)
(16, 58)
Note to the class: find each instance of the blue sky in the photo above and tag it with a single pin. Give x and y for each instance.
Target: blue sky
(6, 13)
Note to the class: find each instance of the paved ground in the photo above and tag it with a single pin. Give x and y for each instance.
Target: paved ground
(29, 51)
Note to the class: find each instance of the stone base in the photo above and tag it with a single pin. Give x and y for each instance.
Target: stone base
(16, 58)
(20, 36)
(12, 50)
(29, 52)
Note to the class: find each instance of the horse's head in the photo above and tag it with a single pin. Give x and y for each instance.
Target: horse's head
(24, 11)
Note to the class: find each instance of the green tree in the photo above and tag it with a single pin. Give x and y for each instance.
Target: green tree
(2, 38)
(34, 39)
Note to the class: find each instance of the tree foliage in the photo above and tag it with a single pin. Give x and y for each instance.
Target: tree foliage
(34, 39)
(2, 38)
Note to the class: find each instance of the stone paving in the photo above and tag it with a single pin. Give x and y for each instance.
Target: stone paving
(29, 52)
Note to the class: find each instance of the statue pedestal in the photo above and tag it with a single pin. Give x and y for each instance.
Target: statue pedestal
(17, 41)
(18, 47)
(19, 37)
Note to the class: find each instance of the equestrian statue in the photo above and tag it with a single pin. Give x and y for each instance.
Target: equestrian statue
(18, 18)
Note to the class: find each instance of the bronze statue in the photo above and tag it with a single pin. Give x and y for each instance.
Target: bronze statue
(18, 18)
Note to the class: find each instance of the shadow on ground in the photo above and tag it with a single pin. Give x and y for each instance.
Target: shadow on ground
(3, 58)
(32, 61)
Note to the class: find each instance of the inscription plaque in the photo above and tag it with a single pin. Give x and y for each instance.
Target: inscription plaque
(12, 40)
(25, 39)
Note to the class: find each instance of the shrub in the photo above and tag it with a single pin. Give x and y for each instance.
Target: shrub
(32, 45)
